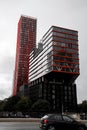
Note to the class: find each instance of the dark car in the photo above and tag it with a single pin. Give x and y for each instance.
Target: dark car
(60, 122)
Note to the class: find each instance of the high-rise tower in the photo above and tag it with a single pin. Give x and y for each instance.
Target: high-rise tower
(26, 41)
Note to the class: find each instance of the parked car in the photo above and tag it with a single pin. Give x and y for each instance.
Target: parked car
(60, 122)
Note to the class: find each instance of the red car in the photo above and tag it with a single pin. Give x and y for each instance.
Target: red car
(60, 122)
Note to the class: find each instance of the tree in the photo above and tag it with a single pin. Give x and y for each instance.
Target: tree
(10, 103)
(41, 106)
(82, 107)
(23, 105)
(1, 106)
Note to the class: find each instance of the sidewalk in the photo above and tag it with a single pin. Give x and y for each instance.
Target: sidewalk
(83, 121)
(19, 119)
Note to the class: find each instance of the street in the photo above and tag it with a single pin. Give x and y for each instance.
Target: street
(19, 126)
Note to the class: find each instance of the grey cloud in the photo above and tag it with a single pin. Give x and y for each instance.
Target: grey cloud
(7, 64)
(5, 90)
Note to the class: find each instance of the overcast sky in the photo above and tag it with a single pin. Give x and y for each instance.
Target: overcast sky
(71, 14)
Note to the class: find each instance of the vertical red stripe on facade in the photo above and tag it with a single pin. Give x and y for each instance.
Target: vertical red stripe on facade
(26, 41)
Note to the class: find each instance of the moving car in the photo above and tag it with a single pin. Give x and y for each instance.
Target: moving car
(60, 122)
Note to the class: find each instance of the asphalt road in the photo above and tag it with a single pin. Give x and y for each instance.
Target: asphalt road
(19, 126)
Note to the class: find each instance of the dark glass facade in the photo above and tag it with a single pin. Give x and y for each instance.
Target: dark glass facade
(54, 67)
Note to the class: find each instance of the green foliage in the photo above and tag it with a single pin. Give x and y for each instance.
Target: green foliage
(15, 103)
(23, 105)
(83, 107)
(9, 104)
(1, 105)
(41, 106)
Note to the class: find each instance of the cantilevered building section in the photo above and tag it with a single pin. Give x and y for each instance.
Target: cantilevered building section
(54, 67)
(26, 41)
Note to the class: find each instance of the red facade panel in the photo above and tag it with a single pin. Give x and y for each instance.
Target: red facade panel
(26, 41)
(65, 52)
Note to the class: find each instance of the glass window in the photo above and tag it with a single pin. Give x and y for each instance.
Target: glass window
(58, 117)
(66, 118)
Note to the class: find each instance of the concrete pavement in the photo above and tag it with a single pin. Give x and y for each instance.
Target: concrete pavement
(19, 119)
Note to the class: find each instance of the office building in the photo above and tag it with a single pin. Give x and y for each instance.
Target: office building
(54, 67)
(26, 41)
